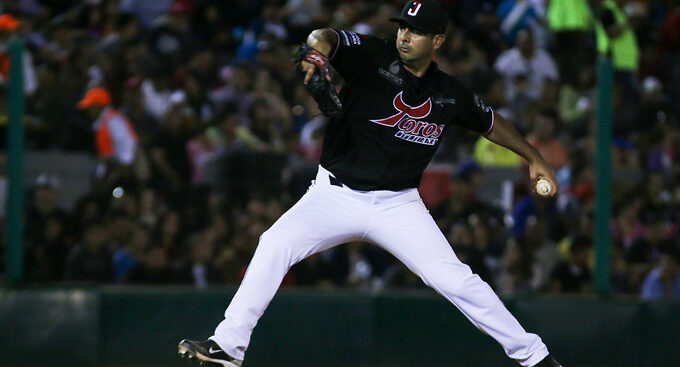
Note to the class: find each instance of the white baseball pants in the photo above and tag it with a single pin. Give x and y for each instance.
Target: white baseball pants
(328, 215)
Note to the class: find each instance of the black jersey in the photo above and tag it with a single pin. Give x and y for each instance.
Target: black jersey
(392, 121)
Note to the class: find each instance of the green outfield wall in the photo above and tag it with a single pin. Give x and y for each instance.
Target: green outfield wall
(141, 327)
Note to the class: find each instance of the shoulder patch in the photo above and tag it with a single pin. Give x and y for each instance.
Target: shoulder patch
(350, 38)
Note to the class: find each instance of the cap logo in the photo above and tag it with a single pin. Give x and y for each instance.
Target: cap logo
(414, 8)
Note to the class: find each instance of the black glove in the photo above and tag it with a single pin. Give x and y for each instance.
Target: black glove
(319, 86)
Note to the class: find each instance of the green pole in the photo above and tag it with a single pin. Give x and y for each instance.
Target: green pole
(15, 137)
(603, 173)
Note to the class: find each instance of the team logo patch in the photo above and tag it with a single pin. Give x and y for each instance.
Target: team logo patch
(415, 7)
(350, 38)
(407, 120)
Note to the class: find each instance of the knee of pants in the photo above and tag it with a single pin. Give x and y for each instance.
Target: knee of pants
(449, 277)
(273, 244)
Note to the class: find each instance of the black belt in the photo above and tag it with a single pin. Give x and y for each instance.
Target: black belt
(335, 181)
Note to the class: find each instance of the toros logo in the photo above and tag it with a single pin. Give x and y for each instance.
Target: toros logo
(407, 120)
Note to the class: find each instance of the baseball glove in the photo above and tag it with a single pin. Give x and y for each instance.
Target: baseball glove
(319, 86)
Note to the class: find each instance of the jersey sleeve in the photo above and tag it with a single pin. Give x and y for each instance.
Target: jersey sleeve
(354, 51)
(472, 113)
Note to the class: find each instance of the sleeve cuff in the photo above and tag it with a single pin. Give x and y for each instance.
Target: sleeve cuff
(493, 118)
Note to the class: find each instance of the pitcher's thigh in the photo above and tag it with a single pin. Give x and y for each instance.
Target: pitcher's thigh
(412, 236)
(319, 220)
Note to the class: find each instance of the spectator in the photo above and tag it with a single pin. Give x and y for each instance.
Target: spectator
(572, 275)
(489, 154)
(129, 256)
(201, 153)
(311, 138)
(169, 38)
(43, 206)
(465, 60)
(527, 206)
(169, 236)
(627, 226)
(199, 269)
(516, 15)
(124, 32)
(115, 137)
(515, 276)
(90, 260)
(262, 133)
(577, 102)
(302, 15)
(480, 21)
(156, 92)
(543, 138)
(464, 200)
(9, 26)
(150, 207)
(526, 61)
(211, 27)
(570, 22)
(616, 37)
(46, 259)
(169, 160)
(197, 97)
(132, 105)
(663, 155)
(153, 268)
(664, 280)
(471, 252)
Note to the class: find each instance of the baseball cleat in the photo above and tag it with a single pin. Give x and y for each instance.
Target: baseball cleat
(207, 352)
(548, 361)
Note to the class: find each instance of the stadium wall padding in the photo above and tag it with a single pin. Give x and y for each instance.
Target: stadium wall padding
(141, 326)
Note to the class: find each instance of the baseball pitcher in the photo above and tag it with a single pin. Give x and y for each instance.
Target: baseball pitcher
(384, 128)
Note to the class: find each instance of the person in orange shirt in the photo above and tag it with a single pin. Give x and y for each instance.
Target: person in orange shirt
(115, 137)
(542, 137)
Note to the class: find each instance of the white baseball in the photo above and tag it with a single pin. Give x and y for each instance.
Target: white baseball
(543, 187)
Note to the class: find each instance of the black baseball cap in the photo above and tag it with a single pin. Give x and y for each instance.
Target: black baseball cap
(424, 15)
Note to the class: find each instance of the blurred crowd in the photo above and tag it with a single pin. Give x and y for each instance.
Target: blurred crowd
(204, 136)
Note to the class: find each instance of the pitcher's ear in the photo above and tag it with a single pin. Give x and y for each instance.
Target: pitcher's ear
(438, 40)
